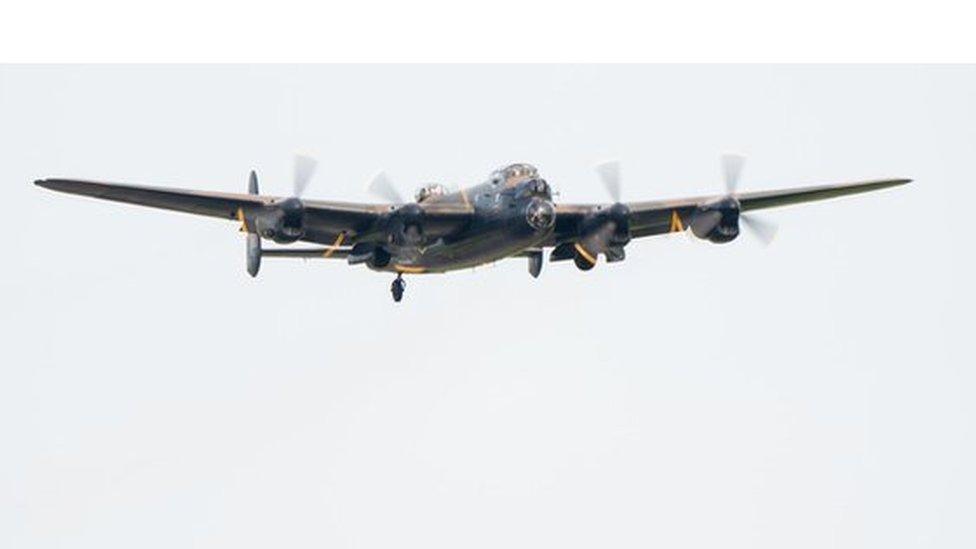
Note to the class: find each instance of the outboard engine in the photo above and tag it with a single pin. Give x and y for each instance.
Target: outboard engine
(717, 221)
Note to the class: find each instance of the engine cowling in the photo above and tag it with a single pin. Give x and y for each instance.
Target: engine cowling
(282, 222)
(620, 215)
(371, 254)
(717, 221)
(405, 226)
(605, 231)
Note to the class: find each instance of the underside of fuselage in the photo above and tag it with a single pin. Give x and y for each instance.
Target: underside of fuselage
(469, 249)
(486, 240)
(512, 211)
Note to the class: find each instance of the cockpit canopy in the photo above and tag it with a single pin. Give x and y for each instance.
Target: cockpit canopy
(431, 190)
(520, 170)
(514, 173)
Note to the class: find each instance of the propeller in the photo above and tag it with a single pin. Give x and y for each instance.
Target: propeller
(732, 165)
(763, 230)
(609, 173)
(618, 213)
(304, 170)
(404, 224)
(605, 230)
(382, 187)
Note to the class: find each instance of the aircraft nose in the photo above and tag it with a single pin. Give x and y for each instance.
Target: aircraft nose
(540, 214)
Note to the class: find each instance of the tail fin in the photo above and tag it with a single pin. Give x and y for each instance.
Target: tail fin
(252, 183)
(253, 240)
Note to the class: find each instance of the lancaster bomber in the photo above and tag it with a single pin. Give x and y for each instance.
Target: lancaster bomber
(512, 214)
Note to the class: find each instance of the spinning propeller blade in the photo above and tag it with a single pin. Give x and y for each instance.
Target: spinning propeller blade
(764, 230)
(609, 173)
(382, 187)
(304, 170)
(732, 165)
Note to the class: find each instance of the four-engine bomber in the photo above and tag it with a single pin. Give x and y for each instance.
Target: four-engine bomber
(512, 214)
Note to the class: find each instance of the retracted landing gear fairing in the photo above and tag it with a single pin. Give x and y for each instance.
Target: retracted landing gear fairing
(510, 215)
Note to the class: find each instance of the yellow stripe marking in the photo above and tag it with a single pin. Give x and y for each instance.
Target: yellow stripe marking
(335, 245)
(586, 255)
(240, 217)
(676, 225)
(409, 269)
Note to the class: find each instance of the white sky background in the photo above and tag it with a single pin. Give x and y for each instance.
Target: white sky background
(816, 393)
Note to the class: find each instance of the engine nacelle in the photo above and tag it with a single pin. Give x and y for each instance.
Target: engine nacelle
(717, 221)
(283, 222)
(366, 252)
(606, 232)
(405, 226)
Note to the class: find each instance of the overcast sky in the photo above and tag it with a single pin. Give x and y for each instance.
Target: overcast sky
(815, 393)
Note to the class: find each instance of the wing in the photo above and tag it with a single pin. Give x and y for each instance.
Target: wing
(325, 221)
(223, 205)
(665, 216)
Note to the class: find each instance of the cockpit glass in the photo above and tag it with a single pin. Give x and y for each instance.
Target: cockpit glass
(539, 186)
(520, 170)
(431, 190)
